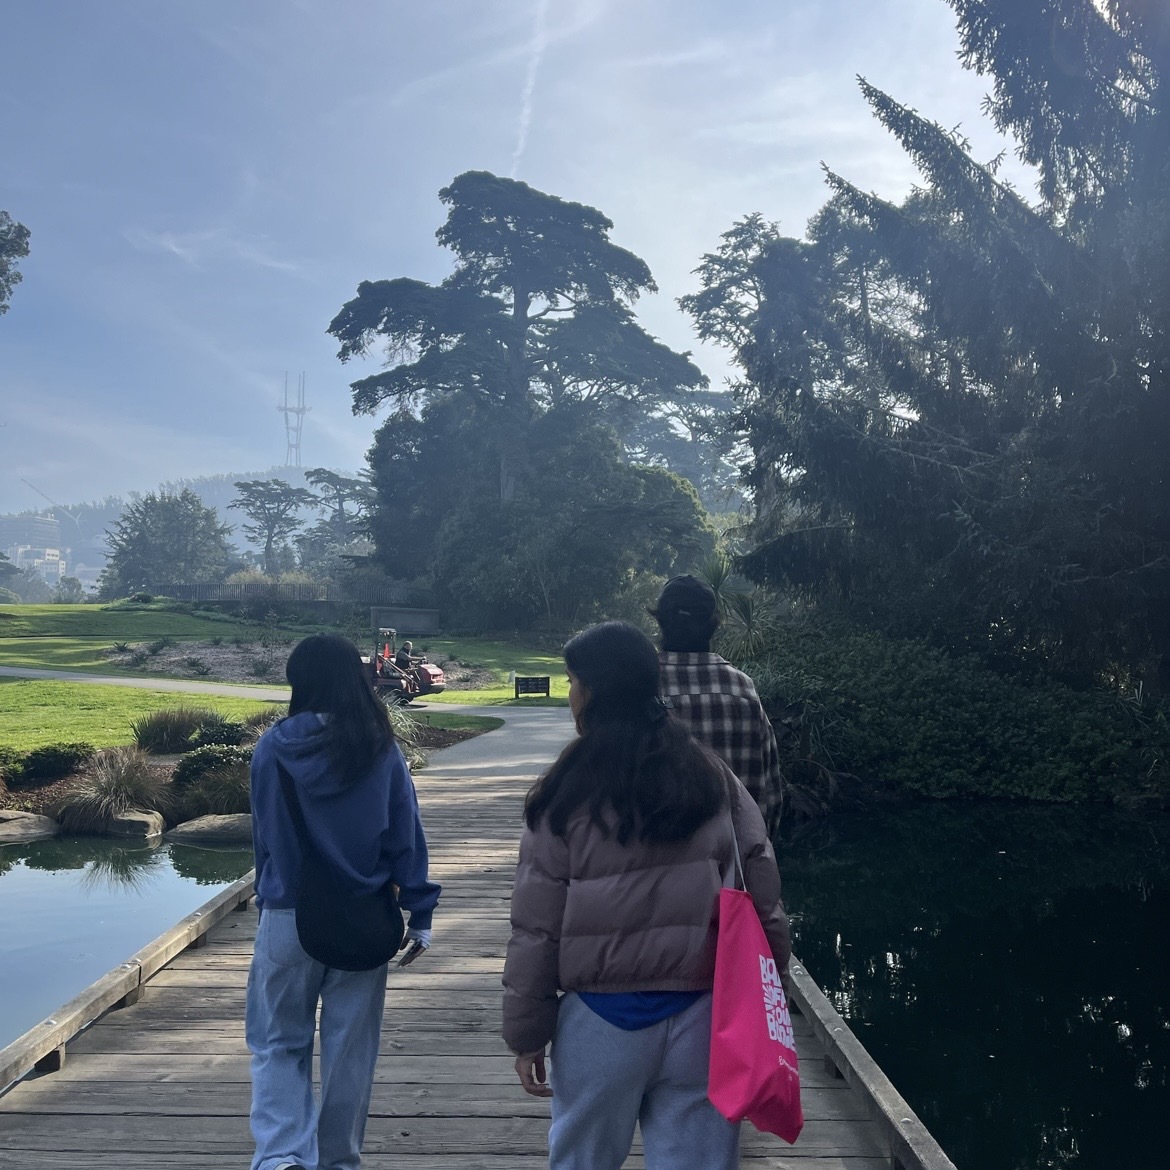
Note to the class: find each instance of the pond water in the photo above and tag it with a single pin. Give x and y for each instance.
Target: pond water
(73, 908)
(1007, 968)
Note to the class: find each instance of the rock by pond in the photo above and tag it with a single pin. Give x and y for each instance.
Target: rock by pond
(231, 829)
(136, 824)
(17, 827)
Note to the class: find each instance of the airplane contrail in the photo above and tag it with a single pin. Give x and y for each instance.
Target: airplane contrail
(535, 56)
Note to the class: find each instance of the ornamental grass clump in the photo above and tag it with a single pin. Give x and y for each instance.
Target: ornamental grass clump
(170, 730)
(405, 729)
(118, 781)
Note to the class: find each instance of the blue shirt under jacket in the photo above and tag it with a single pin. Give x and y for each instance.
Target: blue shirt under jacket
(634, 1010)
(370, 831)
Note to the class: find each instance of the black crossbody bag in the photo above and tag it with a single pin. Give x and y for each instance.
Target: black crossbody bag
(342, 929)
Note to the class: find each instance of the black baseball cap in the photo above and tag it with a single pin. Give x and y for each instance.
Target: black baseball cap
(688, 596)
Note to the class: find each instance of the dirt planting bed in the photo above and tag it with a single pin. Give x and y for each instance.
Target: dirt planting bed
(242, 661)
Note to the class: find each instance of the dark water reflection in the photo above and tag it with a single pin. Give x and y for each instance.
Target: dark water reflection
(73, 908)
(1007, 967)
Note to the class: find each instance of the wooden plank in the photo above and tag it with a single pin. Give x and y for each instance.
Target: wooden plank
(417, 1098)
(184, 1160)
(912, 1145)
(229, 1137)
(396, 1068)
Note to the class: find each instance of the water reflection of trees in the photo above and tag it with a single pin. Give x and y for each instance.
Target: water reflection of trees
(1002, 963)
(210, 866)
(119, 864)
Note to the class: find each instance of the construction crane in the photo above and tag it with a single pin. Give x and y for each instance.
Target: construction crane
(53, 502)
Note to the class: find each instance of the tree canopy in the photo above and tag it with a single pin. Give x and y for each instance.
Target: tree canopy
(164, 539)
(13, 248)
(957, 405)
(273, 510)
(525, 363)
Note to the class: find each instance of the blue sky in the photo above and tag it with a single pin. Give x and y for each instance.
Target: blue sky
(207, 181)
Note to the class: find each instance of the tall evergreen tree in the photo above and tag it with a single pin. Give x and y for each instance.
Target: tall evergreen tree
(958, 405)
(527, 356)
(164, 539)
(273, 510)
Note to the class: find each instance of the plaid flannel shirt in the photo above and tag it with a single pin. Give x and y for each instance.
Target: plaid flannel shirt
(721, 707)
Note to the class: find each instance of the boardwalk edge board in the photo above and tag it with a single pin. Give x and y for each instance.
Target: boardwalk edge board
(42, 1046)
(912, 1146)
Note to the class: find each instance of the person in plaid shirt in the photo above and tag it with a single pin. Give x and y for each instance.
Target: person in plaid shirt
(719, 703)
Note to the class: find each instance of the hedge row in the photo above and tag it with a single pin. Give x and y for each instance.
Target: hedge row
(911, 717)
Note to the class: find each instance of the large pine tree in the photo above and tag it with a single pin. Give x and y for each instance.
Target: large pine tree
(959, 405)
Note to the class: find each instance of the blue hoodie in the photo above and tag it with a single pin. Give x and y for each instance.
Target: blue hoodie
(370, 831)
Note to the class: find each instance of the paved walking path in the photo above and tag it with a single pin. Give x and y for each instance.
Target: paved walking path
(182, 686)
(164, 1082)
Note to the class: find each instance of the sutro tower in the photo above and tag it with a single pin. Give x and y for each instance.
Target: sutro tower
(294, 422)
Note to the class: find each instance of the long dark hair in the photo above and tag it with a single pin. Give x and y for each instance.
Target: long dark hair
(327, 676)
(632, 755)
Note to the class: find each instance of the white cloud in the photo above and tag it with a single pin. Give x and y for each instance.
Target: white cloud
(202, 248)
(536, 51)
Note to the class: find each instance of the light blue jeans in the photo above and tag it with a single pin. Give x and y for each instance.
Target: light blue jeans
(606, 1081)
(284, 986)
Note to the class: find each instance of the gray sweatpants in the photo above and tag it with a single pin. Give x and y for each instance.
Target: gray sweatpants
(606, 1080)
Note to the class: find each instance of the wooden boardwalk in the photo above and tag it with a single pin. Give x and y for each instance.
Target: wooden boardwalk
(163, 1082)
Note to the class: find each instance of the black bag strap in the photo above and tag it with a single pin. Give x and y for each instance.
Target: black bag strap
(300, 826)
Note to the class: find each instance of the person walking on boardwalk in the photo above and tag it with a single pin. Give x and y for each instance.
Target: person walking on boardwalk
(628, 841)
(360, 811)
(717, 702)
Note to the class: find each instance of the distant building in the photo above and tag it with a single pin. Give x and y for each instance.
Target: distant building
(46, 563)
(30, 529)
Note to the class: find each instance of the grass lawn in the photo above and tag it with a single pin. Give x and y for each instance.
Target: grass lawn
(501, 658)
(34, 712)
(76, 637)
(448, 721)
(118, 622)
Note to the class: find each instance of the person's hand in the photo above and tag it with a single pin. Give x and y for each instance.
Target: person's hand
(533, 1076)
(414, 942)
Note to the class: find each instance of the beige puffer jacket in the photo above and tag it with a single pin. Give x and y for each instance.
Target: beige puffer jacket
(589, 914)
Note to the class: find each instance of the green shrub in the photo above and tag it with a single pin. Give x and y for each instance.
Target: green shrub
(196, 666)
(217, 729)
(218, 793)
(170, 730)
(159, 645)
(212, 780)
(205, 760)
(138, 657)
(119, 780)
(54, 761)
(121, 647)
(918, 720)
(260, 667)
(11, 763)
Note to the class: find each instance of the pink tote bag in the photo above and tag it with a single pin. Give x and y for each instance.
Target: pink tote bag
(754, 1072)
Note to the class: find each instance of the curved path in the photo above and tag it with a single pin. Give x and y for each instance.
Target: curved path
(180, 686)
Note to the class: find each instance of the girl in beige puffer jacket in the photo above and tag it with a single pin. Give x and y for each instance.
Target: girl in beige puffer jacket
(628, 842)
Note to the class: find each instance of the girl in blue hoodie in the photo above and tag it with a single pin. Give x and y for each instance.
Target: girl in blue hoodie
(360, 807)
